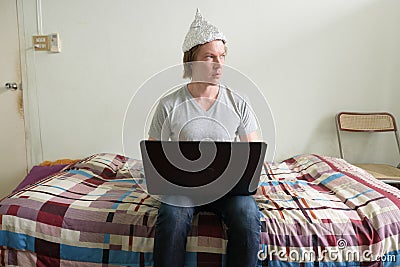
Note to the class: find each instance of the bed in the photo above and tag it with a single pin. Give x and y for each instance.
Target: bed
(315, 211)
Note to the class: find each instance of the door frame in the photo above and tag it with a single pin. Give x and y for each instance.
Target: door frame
(33, 141)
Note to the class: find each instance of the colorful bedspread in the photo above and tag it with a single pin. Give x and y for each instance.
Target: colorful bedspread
(315, 211)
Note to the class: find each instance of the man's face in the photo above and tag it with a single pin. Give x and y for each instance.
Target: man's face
(209, 61)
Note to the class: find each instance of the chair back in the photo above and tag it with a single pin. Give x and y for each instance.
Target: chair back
(365, 122)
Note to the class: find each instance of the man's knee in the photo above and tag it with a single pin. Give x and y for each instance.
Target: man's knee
(174, 214)
(245, 213)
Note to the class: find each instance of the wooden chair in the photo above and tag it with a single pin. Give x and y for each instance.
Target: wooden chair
(372, 123)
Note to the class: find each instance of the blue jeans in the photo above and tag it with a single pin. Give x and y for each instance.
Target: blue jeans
(239, 213)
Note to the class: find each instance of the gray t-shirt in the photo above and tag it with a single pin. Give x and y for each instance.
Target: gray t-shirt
(179, 117)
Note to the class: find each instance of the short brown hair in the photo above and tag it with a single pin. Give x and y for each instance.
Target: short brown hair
(190, 56)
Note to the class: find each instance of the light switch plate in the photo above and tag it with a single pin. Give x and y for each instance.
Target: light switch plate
(41, 43)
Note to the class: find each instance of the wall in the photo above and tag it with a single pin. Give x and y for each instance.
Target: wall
(311, 59)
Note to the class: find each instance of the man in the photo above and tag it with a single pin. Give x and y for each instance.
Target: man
(206, 110)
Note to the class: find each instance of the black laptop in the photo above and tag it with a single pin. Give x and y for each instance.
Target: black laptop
(199, 168)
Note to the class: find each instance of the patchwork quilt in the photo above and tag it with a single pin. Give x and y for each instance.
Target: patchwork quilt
(315, 211)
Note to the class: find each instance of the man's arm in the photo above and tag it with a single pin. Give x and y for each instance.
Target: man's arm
(250, 137)
(151, 138)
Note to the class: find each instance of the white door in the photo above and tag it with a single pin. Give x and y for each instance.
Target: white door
(13, 160)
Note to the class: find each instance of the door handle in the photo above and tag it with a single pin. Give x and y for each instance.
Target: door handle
(11, 86)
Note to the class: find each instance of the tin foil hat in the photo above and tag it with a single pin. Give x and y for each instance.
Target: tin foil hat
(200, 32)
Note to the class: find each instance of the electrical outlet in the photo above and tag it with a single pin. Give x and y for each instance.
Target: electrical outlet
(55, 43)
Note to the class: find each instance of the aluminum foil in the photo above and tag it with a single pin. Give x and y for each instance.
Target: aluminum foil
(200, 32)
